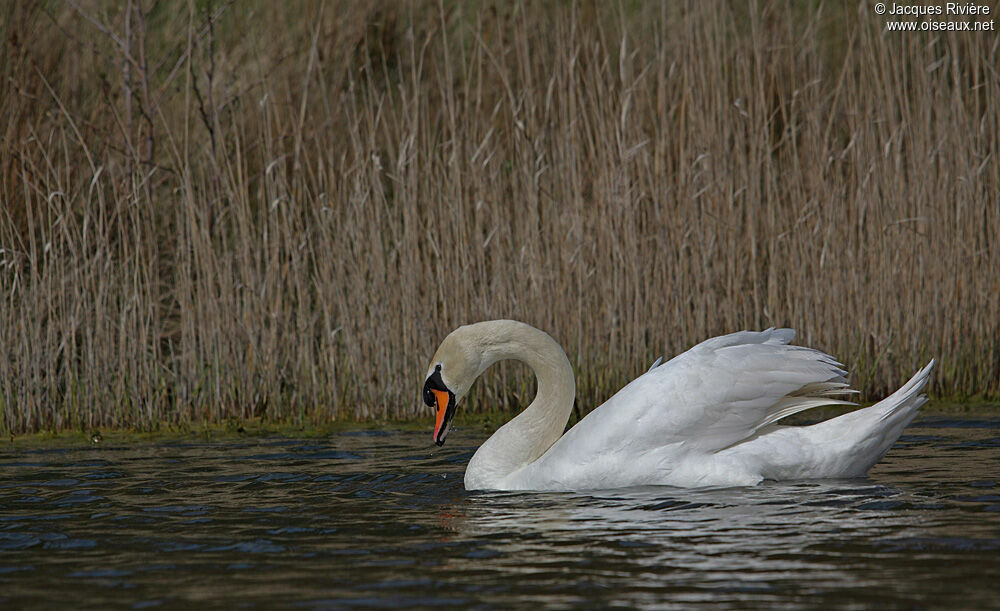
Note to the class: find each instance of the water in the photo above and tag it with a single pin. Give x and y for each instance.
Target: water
(382, 520)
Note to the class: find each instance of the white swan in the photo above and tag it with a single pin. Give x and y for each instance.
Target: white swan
(705, 418)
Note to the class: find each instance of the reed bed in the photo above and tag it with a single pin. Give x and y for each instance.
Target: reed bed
(257, 210)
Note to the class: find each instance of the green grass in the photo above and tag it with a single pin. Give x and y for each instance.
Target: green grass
(482, 423)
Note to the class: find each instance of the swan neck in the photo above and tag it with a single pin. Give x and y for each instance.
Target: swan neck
(547, 361)
(526, 437)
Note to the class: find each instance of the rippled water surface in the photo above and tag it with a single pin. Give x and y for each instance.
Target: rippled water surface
(382, 519)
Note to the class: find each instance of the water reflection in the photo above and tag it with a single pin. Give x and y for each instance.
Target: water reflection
(803, 510)
(660, 537)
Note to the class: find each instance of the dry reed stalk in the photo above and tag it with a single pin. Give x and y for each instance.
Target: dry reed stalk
(270, 211)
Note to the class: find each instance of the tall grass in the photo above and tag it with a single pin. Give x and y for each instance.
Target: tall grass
(265, 210)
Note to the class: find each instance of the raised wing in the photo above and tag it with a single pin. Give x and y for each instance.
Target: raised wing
(716, 394)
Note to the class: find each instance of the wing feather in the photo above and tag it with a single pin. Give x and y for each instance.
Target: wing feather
(718, 393)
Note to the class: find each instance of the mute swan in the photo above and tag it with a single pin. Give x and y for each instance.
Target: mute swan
(705, 418)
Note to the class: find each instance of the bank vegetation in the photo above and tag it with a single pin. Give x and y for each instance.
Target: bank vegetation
(270, 211)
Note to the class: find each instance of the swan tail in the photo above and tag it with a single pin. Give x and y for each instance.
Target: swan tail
(909, 397)
(876, 428)
(893, 414)
(845, 446)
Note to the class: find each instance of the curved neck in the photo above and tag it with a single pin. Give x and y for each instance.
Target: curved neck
(525, 438)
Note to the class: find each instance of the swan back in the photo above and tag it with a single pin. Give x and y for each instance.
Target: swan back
(719, 393)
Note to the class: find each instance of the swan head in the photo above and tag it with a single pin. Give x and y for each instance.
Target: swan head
(454, 367)
(442, 399)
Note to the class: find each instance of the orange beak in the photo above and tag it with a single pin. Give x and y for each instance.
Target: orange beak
(441, 400)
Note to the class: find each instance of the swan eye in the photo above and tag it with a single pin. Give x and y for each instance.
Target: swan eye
(433, 382)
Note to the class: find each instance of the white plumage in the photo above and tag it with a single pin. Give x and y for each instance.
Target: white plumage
(705, 418)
